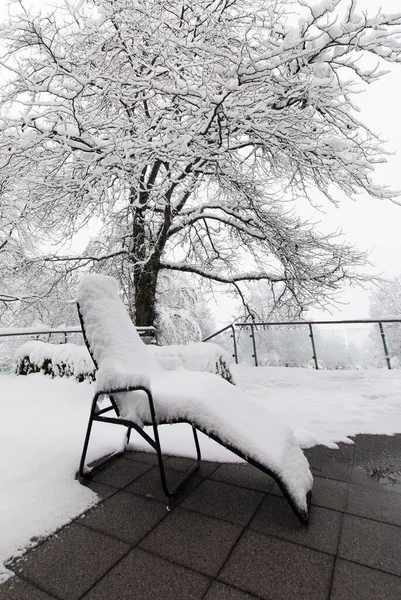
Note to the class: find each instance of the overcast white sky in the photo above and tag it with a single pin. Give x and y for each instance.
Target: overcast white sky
(368, 223)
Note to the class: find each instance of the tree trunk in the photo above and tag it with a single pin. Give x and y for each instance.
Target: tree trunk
(145, 282)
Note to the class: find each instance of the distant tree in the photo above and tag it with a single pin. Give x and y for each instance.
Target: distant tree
(191, 128)
(385, 303)
(385, 300)
(182, 313)
(278, 345)
(263, 303)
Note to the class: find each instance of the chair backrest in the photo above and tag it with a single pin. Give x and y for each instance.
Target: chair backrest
(110, 335)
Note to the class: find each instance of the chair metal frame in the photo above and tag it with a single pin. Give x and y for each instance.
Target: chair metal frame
(97, 414)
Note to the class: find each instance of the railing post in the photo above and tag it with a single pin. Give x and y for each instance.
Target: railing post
(255, 356)
(235, 355)
(314, 356)
(388, 361)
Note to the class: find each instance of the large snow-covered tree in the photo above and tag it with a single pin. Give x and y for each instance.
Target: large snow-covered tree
(190, 128)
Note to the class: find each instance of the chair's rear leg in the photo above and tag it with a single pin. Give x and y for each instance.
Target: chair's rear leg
(189, 473)
(127, 437)
(197, 446)
(85, 471)
(171, 493)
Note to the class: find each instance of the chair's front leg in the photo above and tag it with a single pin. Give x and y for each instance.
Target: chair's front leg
(84, 471)
(170, 493)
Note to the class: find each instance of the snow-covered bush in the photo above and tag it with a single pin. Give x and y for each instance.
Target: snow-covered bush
(71, 360)
(199, 356)
(56, 360)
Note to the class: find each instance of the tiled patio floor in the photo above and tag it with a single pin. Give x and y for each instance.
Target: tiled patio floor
(230, 536)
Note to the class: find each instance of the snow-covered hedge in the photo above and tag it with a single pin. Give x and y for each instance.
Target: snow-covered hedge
(56, 360)
(199, 356)
(71, 360)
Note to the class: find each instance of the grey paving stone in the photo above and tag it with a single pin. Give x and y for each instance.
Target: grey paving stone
(179, 463)
(224, 501)
(375, 476)
(360, 476)
(243, 475)
(332, 470)
(331, 463)
(379, 456)
(142, 575)
(273, 568)
(146, 457)
(377, 504)
(102, 490)
(149, 485)
(18, 589)
(221, 591)
(120, 472)
(69, 563)
(125, 516)
(275, 517)
(371, 543)
(328, 493)
(378, 449)
(356, 582)
(196, 541)
(319, 454)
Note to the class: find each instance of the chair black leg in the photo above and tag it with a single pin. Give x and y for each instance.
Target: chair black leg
(171, 493)
(127, 437)
(85, 471)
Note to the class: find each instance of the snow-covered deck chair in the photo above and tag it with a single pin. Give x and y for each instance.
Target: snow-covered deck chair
(142, 393)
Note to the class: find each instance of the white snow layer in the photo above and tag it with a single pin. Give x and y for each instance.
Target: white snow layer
(209, 402)
(43, 422)
(42, 425)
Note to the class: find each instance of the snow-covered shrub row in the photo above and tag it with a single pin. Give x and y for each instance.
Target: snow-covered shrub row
(71, 360)
(56, 360)
(199, 356)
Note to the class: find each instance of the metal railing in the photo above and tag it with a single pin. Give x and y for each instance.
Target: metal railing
(228, 327)
(231, 338)
(36, 331)
(46, 334)
(235, 329)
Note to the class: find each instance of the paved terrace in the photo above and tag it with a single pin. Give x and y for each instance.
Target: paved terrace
(230, 536)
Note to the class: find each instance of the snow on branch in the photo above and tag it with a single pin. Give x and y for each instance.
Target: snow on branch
(188, 130)
(209, 274)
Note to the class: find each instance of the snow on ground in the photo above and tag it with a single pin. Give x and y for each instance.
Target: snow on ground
(325, 407)
(43, 421)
